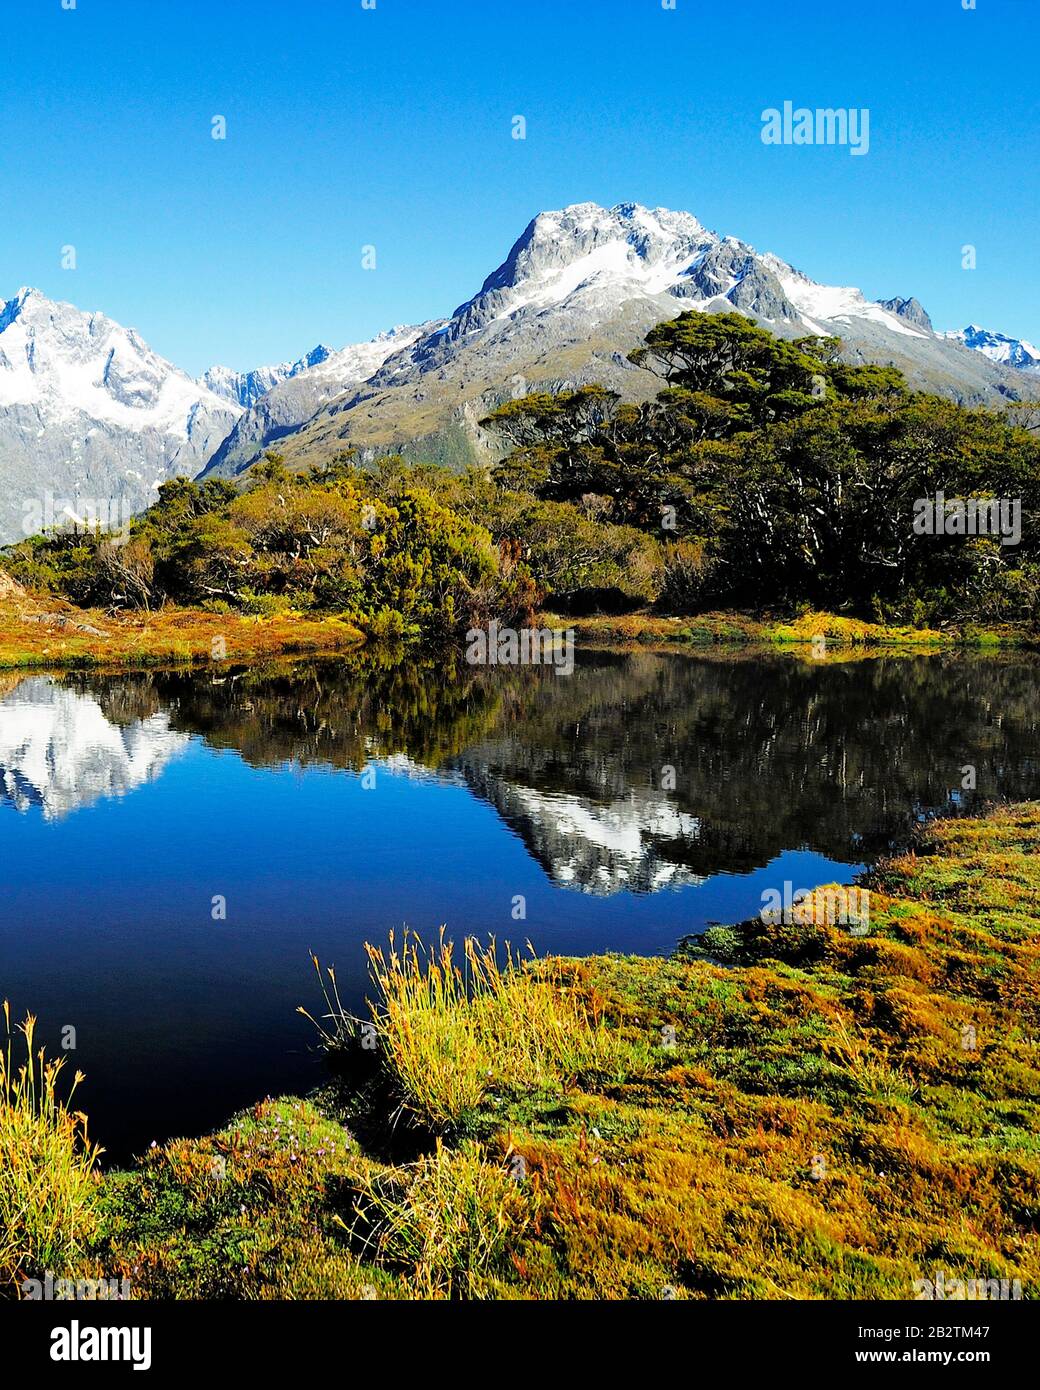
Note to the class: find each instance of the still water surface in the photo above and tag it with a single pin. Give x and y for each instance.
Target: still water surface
(634, 802)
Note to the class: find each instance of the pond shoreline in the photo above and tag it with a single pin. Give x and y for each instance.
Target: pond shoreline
(42, 632)
(38, 633)
(824, 631)
(850, 1112)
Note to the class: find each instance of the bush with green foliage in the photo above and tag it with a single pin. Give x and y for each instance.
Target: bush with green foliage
(774, 475)
(290, 542)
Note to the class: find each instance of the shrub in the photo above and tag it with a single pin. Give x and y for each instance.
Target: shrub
(724, 943)
(686, 573)
(271, 605)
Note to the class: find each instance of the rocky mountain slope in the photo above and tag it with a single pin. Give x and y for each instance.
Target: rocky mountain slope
(91, 419)
(291, 402)
(577, 291)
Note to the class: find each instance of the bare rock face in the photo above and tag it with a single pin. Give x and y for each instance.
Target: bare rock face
(909, 309)
(9, 588)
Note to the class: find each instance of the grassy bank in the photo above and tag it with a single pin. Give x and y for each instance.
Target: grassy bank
(48, 632)
(803, 1113)
(841, 633)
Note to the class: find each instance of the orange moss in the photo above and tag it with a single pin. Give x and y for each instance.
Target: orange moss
(50, 633)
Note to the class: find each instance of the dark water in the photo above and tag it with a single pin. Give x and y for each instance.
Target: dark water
(329, 803)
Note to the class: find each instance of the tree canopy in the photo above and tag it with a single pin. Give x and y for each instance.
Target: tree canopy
(789, 475)
(765, 474)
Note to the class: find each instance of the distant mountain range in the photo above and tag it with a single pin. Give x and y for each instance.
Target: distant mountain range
(88, 410)
(299, 395)
(246, 388)
(1010, 352)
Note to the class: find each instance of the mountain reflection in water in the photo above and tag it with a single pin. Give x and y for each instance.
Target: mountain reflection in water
(640, 772)
(626, 805)
(59, 750)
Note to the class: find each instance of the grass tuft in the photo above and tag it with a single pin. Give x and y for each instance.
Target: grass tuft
(448, 1222)
(449, 1035)
(47, 1181)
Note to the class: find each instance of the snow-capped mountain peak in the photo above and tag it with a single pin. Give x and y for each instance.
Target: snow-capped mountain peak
(587, 252)
(1010, 352)
(349, 365)
(586, 246)
(246, 388)
(88, 410)
(823, 308)
(57, 357)
(357, 362)
(86, 405)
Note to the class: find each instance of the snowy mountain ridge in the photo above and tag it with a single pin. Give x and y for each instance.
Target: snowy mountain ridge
(87, 408)
(246, 388)
(1011, 352)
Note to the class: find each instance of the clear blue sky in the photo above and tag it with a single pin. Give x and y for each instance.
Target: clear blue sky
(392, 127)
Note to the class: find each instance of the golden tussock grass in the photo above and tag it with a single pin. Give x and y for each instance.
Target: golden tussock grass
(47, 1182)
(449, 1034)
